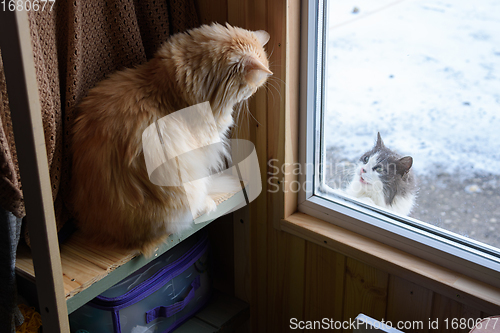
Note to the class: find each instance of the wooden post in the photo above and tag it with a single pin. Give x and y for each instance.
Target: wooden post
(22, 88)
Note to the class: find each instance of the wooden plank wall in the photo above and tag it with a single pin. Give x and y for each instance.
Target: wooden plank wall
(283, 276)
(340, 287)
(211, 11)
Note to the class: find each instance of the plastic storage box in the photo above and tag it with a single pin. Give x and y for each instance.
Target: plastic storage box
(157, 298)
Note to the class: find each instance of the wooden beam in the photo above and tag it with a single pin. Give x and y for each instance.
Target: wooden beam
(22, 88)
(236, 15)
(272, 278)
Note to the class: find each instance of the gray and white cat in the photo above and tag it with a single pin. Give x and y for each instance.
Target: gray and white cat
(383, 178)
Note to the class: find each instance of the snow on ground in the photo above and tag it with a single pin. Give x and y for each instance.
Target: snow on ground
(426, 74)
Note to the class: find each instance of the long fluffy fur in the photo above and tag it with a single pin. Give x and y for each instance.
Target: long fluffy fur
(115, 203)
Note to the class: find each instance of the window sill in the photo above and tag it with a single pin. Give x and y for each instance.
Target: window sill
(381, 256)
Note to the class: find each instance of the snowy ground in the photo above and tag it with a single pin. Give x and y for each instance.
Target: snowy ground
(426, 75)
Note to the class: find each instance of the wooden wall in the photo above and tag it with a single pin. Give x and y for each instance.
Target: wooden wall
(211, 11)
(281, 275)
(351, 287)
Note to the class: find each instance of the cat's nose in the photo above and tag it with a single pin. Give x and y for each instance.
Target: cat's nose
(363, 170)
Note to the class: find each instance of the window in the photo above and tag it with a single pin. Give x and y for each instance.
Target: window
(426, 76)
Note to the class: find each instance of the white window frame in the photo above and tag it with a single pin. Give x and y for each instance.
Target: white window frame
(460, 254)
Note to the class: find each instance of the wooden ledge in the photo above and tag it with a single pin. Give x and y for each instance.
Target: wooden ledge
(422, 272)
(88, 272)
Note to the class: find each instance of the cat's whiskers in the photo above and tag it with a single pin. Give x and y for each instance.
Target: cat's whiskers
(270, 84)
(238, 122)
(242, 118)
(277, 80)
(247, 109)
(271, 54)
(271, 92)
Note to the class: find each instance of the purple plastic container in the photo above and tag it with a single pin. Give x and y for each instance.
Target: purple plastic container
(157, 298)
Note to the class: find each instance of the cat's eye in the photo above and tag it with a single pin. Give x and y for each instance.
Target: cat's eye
(365, 159)
(378, 168)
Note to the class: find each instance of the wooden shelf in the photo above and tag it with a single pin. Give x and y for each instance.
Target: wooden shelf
(88, 272)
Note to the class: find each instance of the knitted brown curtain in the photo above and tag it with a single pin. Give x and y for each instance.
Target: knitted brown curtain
(75, 46)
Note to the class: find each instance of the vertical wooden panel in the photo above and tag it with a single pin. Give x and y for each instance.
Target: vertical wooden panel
(242, 255)
(261, 210)
(277, 259)
(443, 312)
(324, 283)
(447, 313)
(365, 291)
(293, 278)
(236, 13)
(410, 304)
(253, 15)
(485, 314)
(469, 312)
(286, 295)
(211, 11)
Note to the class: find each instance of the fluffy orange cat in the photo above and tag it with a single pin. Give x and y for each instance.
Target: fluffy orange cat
(112, 197)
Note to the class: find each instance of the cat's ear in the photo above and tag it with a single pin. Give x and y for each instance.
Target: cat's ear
(252, 63)
(256, 71)
(380, 143)
(404, 164)
(262, 36)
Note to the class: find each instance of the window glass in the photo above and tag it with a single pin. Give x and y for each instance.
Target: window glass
(426, 76)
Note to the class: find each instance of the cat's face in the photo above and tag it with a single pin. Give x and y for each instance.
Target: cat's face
(380, 170)
(233, 63)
